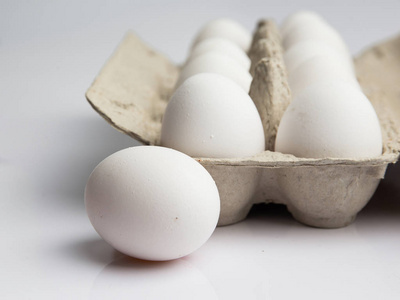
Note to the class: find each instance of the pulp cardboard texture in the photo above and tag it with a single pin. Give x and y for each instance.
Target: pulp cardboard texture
(133, 88)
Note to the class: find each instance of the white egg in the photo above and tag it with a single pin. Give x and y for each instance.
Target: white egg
(211, 116)
(300, 18)
(227, 29)
(212, 62)
(323, 33)
(330, 120)
(320, 69)
(152, 203)
(224, 47)
(305, 50)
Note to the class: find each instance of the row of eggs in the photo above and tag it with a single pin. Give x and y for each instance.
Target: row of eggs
(329, 115)
(220, 48)
(210, 113)
(157, 203)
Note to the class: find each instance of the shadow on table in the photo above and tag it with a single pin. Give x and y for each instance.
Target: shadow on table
(271, 213)
(94, 250)
(97, 251)
(386, 200)
(132, 278)
(385, 203)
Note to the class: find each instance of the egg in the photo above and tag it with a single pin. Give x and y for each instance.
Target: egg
(323, 33)
(318, 69)
(227, 29)
(224, 47)
(210, 115)
(331, 119)
(212, 62)
(305, 50)
(152, 203)
(300, 18)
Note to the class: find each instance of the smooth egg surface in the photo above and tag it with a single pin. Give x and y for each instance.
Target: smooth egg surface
(210, 115)
(319, 69)
(331, 119)
(300, 18)
(152, 203)
(227, 29)
(224, 47)
(305, 50)
(323, 33)
(211, 62)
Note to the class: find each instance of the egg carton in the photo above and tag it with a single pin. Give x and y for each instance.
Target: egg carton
(132, 90)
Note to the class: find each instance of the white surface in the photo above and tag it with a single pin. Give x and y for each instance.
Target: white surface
(221, 46)
(152, 203)
(51, 140)
(330, 118)
(228, 29)
(210, 115)
(212, 62)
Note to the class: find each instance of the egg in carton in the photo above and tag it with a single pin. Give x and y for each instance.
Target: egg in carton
(132, 90)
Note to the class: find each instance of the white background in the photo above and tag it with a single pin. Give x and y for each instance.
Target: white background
(51, 139)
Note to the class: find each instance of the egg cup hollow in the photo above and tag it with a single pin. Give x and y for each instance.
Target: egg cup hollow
(132, 90)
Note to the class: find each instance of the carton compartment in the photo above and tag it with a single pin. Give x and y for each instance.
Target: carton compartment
(133, 88)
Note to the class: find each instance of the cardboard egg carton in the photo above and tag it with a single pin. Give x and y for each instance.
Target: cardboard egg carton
(132, 90)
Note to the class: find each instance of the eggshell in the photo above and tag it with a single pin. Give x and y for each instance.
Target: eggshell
(227, 29)
(224, 47)
(305, 50)
(212, 62)
(320, 69)
(152, 203)
(330, 120)
(323, 33)
(300, 18)
(211, 116)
